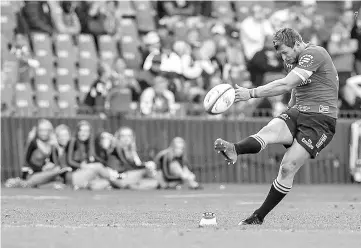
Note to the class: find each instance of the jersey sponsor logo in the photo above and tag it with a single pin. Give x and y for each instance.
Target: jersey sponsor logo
(321, 140)
(324, 109)
(306, 60)
(284, 117)
(308, 143)
(305, 82)
(289, 66)
(303, 108)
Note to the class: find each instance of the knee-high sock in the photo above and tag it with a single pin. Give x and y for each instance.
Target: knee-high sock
(275, 196)
(249, 145)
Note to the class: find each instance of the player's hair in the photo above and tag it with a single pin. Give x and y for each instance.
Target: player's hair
(286, 36)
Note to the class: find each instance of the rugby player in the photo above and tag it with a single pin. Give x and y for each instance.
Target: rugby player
(305, 128)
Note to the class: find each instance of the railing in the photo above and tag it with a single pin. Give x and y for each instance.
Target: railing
(155, 133)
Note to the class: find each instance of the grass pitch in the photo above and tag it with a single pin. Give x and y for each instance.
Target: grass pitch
(310, 216)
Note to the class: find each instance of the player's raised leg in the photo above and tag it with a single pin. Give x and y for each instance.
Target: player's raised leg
(292, 161)
(275, 132)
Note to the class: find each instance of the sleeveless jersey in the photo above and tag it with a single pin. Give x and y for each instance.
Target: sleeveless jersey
(320, 90)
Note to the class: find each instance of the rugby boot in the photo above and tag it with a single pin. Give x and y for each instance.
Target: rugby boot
(254, 219)
(227, 149)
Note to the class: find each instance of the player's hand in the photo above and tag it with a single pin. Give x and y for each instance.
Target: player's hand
(242, 94)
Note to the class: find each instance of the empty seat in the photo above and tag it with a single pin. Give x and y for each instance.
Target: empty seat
(7, 18)
(87, 53)
(130, 52)
(129, 28)
(145, 16)
(85, 79)
(42, 46)
(65, 52)
(24, 103)
(66, 100)
(44, 94)
(125, 8)
(7, 94)
(107, 49)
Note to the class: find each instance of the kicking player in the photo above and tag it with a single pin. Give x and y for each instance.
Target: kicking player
(305, 128)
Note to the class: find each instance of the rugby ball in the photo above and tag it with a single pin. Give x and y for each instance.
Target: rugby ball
(219, 99)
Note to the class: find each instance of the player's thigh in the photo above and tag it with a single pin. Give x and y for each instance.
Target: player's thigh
(294, 158)
(276, 132)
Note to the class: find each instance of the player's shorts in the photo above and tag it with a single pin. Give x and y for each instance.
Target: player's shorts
(313, 131)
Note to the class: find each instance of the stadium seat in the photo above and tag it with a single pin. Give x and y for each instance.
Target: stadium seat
(63, 77)
(44, 95)
(145, 16)
(88, 57)
(65, 52)
(130, 53)
(7, 94)
(85, 79)
(125, 8)
(42, 46)
(66, 100)
(108, 51)
(7, 17)
(129, 28)
(24, 103)
(222, 10)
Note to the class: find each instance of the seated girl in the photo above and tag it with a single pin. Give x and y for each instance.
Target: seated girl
(87, 172)
(174, 167)
(40, 170)
(124, 159)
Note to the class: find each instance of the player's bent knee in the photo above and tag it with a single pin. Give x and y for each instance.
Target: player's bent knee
(288, 169)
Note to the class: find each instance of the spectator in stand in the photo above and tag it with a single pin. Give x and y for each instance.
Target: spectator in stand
(124, 78)
(27, 63)
(174, 166)
(80, 156)
(38, 16)
(265, 63)
(96, 97)
(125, 160)
(317, 33)
(254, 30)
(97, 18)
(342, 48)
(152, 52)
(39, 147)
(157, 99)
(64, 17)
(356, 34)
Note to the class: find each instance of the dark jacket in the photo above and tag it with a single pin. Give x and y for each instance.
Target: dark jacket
(119, 162)
(34, 157)
(78, 152)
(37, 14)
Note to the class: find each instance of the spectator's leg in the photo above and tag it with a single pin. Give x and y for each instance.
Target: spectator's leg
(99, 184)
(82, 178)
(43, 177)
(187, 176)
(131, 179)
(358, 66)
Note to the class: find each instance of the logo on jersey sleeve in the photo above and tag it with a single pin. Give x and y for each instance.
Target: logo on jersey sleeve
(306, 60)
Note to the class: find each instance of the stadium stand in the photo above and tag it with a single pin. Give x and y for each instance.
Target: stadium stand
(72, 62)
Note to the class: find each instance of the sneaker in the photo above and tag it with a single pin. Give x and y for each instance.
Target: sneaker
(227, 149)
(16, 182)
(254, 219)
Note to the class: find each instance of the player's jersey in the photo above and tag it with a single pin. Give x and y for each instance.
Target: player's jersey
(319, 93)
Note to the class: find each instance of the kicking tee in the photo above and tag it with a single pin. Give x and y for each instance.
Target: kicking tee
(318, 91)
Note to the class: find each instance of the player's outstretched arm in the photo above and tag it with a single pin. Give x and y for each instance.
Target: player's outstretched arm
(274, 88)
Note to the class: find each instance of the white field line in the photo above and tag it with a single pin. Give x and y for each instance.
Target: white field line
(80, 226)
(209, 195)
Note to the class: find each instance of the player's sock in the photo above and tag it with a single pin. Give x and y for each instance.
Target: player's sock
(275, 195)
(249, 145)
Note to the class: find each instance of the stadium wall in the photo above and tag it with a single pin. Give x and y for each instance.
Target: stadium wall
(154, 134)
